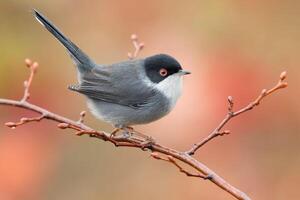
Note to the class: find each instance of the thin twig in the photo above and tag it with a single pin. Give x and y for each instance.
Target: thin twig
(24, 120)
(173, 161)
(32, 66)
(217, 131)
(138, 46)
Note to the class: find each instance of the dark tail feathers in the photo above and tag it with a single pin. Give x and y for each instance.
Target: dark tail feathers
(79, 56)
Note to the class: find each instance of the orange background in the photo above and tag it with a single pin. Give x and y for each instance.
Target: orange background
(232, 48)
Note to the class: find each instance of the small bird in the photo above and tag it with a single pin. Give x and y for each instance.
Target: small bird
(127, 93)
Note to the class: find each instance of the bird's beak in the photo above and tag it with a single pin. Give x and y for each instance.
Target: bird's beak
(184, 72)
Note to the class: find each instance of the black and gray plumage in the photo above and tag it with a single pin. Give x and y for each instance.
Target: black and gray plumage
(125, 93)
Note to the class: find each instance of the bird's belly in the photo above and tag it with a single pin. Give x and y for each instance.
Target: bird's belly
(119, 115)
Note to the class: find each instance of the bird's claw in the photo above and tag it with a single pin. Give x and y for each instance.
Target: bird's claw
(126, 134)
(114, 132)
(148, 143)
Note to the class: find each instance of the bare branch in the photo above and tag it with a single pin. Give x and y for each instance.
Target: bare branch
(230, 104)
(138, 46)
(217, 131)
(173, 161)
(143, 143)
(32, 66)
(23, 120)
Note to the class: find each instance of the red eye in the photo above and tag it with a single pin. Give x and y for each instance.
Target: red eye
(163, 72)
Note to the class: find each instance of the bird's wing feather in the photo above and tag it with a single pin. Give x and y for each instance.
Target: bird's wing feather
(118, 83)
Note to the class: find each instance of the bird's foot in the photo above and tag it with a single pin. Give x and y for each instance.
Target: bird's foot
(131, 129)
(126, 134)
(138, 134)
(129, 132)
(148, 143)
(114, 132)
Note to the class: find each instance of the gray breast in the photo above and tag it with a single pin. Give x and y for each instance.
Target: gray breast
(120, 115)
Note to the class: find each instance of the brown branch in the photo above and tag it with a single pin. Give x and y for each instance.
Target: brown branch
(119, 141)
(32, 66)
(173, 161)
(131, 142)
(138, 46)
(139, 140)
(23, 120)
(172, 155)
(217, 131)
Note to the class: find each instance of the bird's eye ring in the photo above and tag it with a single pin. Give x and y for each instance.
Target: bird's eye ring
(163, 72)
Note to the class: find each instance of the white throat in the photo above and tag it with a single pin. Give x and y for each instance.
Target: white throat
(171, 87)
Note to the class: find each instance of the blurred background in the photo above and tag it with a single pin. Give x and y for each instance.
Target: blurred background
(232, 48)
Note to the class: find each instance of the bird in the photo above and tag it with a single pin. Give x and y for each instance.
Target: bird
(125, 93)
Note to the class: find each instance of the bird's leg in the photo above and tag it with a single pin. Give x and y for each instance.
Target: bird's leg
(114, 132)
(139, 134)
(127, 131)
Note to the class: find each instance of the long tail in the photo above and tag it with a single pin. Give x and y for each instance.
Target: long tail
(81, 59)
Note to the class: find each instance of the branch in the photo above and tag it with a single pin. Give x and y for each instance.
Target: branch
(138, 46)
(141, 142)
(32, 66)
(133, 142)
(173, 161)
(24, 120)
(217, 131)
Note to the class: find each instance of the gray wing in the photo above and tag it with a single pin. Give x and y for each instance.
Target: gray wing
(118, 83)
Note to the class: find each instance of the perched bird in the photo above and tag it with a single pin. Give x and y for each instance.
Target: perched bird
(127, 93)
